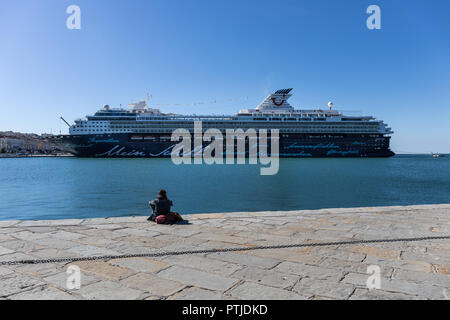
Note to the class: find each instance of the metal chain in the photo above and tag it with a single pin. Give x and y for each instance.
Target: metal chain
(185, 252)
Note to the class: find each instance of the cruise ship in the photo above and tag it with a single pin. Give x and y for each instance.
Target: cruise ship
(141, 131)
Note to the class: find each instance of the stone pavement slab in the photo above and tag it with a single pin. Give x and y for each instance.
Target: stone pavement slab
(140, 264)
(253, 291)
(109, 290)
(197, 278)
(5, 251)
(266, 277)
(153, 285)
(408, 269)
(43, 293)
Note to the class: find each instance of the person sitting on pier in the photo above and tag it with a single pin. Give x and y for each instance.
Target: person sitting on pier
(161, 210)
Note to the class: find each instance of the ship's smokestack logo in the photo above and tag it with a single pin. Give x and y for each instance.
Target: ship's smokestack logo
(274, 100)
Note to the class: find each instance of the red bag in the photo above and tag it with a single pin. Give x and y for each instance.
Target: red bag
(164, 219)
(161, 219)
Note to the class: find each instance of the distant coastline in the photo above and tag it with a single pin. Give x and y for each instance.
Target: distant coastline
(20, 145)
(12, 156)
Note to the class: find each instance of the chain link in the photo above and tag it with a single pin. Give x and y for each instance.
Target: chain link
(185, 252)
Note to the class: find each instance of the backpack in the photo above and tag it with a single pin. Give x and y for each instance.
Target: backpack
(175, 216)
(169, 218)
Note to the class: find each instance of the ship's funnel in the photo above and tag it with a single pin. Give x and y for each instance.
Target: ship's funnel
(277, 101)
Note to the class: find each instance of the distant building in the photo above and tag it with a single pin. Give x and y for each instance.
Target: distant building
(9, 144)
(2, 145)
(27, 143)
(44, 147)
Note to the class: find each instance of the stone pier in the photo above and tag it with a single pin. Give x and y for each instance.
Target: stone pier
(407, 269)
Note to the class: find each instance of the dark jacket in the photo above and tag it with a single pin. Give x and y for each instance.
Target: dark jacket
(160, 206)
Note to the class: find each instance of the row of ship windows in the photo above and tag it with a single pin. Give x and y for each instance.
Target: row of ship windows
(288, 119)
(299, 127)
(81, 126)
(211, 124)
(276, 118)
(169, 131)
(126, 129)
(235, 125)
(260, 116)
(224, 124)
(98, 124)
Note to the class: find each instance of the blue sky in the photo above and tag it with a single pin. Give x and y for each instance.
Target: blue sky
(190, 51)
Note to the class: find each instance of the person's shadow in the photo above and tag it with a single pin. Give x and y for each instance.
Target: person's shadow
(183, 222)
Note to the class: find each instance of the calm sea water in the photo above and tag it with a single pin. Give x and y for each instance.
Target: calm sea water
(60, 188)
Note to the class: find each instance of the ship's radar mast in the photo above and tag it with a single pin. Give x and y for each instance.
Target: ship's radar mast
(330, 105)
(140, 105)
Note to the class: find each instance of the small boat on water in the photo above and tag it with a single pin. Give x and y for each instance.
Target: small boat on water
(437, 155)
